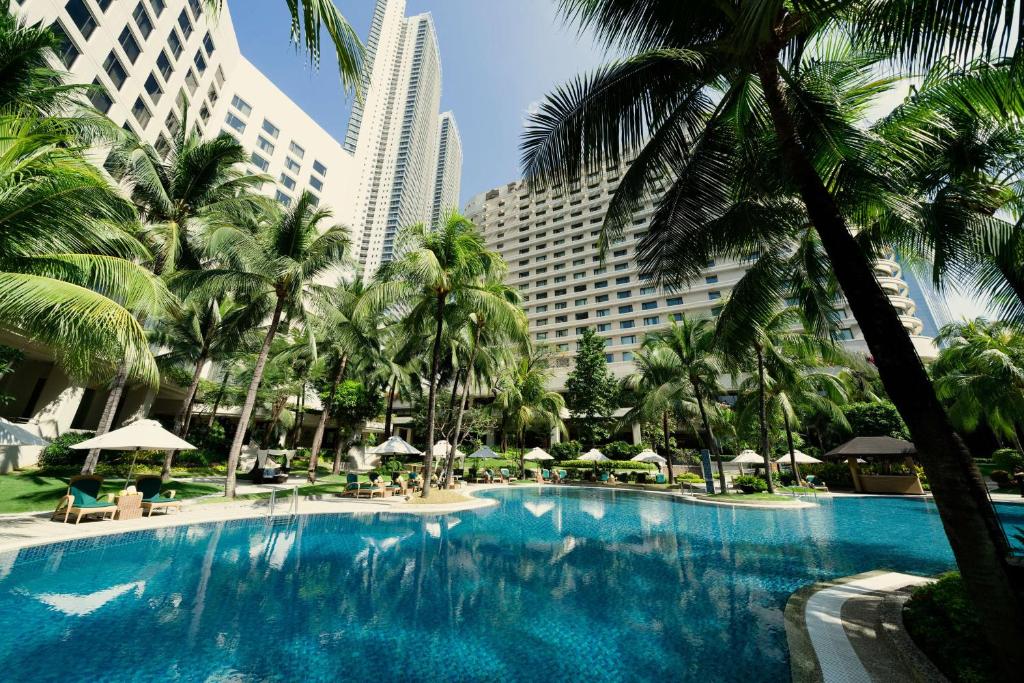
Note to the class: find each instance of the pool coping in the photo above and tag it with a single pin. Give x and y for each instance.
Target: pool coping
(820, 650)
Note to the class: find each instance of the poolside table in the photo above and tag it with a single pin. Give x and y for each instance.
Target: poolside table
(129, 505)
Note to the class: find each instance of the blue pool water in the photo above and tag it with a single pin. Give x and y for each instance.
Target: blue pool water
(552, 584)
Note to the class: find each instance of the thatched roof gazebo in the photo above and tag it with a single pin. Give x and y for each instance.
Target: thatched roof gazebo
(885, 449)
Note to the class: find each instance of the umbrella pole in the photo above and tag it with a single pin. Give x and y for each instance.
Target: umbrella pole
(131, 468)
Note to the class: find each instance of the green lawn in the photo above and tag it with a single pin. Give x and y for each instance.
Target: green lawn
(28, 491)
(742, 498)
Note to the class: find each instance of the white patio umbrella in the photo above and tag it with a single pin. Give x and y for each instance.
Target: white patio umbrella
(16, 435)
(647, 455)
(538, 454)
(442, 448)
(484, 452)
(395, 445)
(801, 459)
(594, 455)
(747, 457)
(141, 435)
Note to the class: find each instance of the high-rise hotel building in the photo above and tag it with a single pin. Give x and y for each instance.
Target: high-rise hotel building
(548, 238)
(447, 178)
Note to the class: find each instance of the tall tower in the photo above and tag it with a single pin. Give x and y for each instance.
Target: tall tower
(448, 176)
(394, 132)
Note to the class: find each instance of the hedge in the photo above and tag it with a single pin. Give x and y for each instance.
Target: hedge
(607, 465)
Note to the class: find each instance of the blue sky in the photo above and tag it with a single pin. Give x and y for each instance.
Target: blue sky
(498, 59)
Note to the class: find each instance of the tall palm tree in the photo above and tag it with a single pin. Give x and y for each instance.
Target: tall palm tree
(691, 342)
(660, 103)
(439, 270)
(980, 374)
(280, 263)
(308, 19)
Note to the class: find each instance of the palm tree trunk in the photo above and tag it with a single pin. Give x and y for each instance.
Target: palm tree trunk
(762, 416)
(391, 408)
(449, 476)
(318, 435)
(712, 444)
(339, 448)
(250, 399)
(668, 451)
(107, 418)
(184, 413)
(435, 358)
(300, 415)
(792, 451)
(972, 527)
(220, 397)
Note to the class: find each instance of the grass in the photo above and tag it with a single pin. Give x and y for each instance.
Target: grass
(741, 498)
(439, 497)
(30, 491)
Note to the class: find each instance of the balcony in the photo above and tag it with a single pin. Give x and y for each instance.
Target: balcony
(894, 286)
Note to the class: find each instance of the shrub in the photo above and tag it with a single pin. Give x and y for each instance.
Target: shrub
(688, 476)
(836, 475)
(609, 465)
(1001, 477)
(565, 450)
(875, 418)
(749, 481)
(942, 621)
(60, 455)
(1009, 459)
(620, 450)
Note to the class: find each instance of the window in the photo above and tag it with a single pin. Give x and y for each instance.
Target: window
(600, 284)
(561, 347)
(674, 301)
(99, 98)
(319, 168)
(241, 105)
(112, 65)
(579, 302)
(173, 124)
(628, 339)
(104, 4)
(163, 145)
(163, 65)
(264, 144)
(579, 288)
(67, 52)
(259, 162)
(288, 181)
(622, 280)
(627, 356)
(82, 16)
(235, 122)
(316, 183)
(711, 279)
(296, 150)
(644, 291)
(292, 165)
(624, 294)
(197, 7)
(602, 312)
(845, 334)
(627, 324)
(204, 112)
(283, 198)
(153, 88)
(191, 81)
(185, 23)
(158, 6)
(676, 317)
(271, 129)
(601, 298)
(620, 252)
(559, 278)
(578, 276)
(561, 333)
(580, 331)
(649, 305)
(141, 112)
(714, 295)
(560, 305)
(625, 309)
(208, 45)
(200, 62)
(142, 20)
(710, 264)
(604, 327)
(174, 42)
(129, 45)
(542, 309)
(621, 266)
(542, 335)
(652, 320)
(561, 318)
(609, 358)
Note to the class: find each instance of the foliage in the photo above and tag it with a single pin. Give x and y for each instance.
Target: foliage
(1000, 477)
(9, 359)
(689, 477)
(877, 418)
(590, 390)
(1009, 459)
(609, 465)
(565, 450)
(836, 475)
(749, 481)
(944, 623)
(59, 454)
(620, 450)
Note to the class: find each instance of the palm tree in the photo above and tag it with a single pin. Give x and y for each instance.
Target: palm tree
(691, 342)
(980, 374)
(278, 262)
(659, 102)
(308, 19)
(523, 402)
(440, 269)
(344, 338)
(494, 319)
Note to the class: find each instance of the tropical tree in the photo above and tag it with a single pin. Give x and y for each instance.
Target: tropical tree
(980, 375)
(591, 390)
(691, 344)
(659, 103)
(438, 270)
(278, 261)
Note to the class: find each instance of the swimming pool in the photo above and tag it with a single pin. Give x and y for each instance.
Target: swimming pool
(552, 584)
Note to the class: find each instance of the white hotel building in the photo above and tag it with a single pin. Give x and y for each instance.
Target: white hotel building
(400, 162)
(549, 241)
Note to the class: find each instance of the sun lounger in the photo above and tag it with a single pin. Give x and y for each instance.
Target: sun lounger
(562, 475)
(545, 475)
(152, 498)
(506, 476)
(660, 479)
(82, 499)
(603, 477)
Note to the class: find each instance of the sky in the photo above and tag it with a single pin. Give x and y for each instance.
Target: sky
(498, 60)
